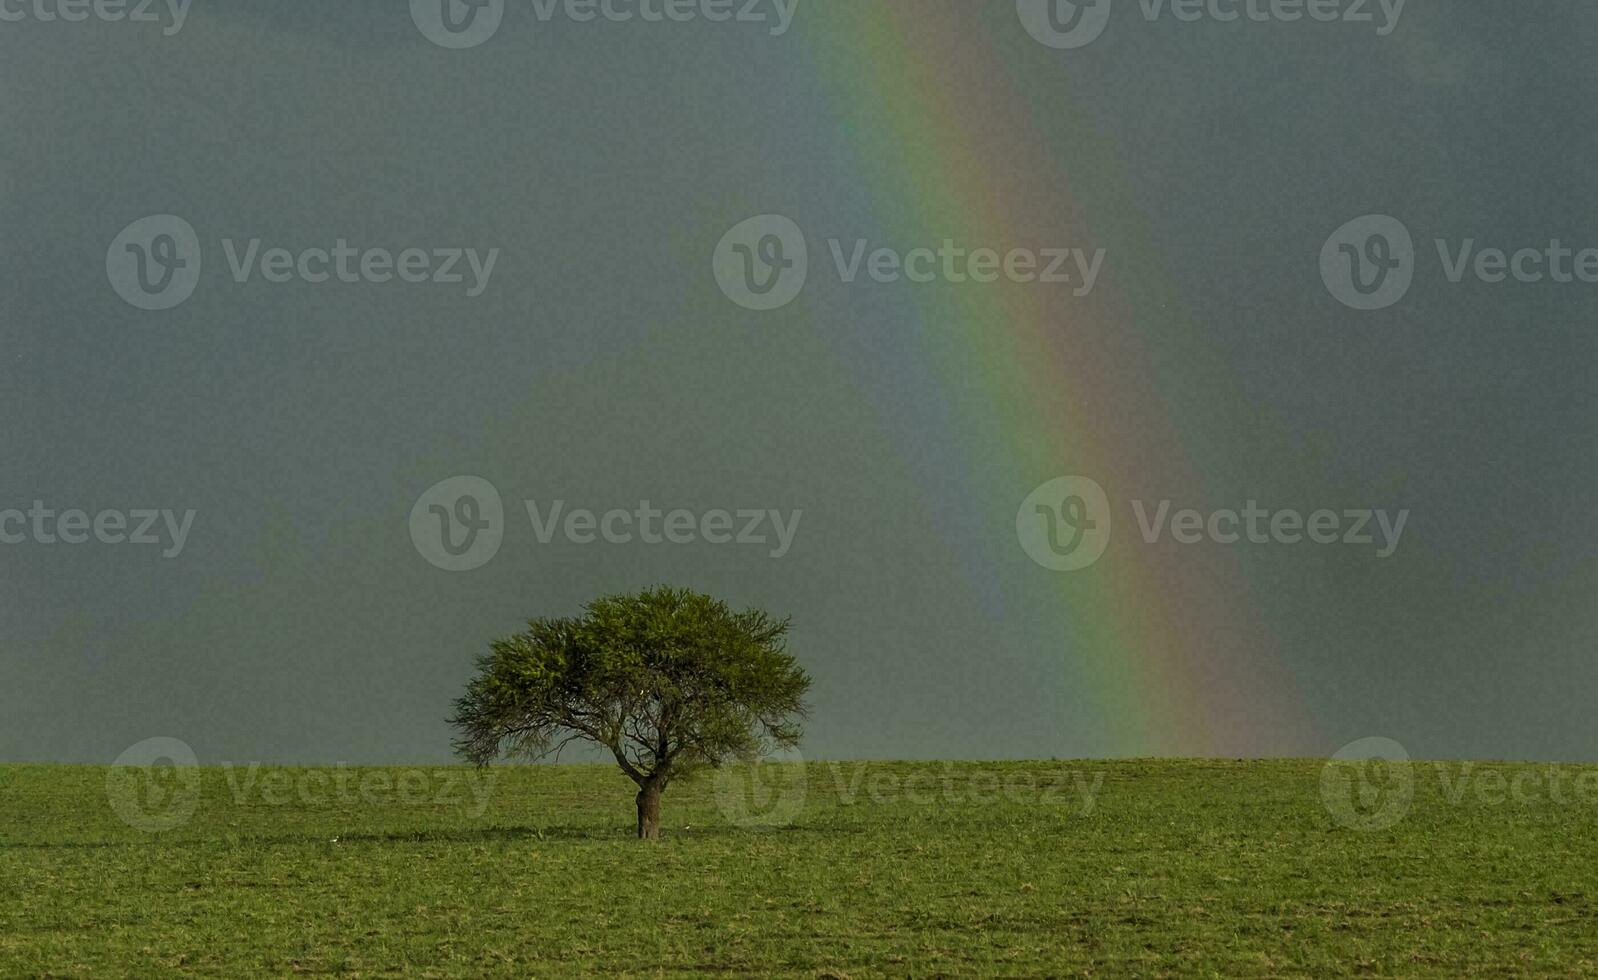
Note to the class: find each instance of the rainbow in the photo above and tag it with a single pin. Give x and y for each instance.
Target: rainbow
(1035, 384)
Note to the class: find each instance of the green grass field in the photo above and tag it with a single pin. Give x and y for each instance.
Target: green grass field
(852, 869)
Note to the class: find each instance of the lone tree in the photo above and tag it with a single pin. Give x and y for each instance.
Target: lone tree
(669, 680)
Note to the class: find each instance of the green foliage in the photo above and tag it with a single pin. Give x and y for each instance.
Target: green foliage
(669, 680)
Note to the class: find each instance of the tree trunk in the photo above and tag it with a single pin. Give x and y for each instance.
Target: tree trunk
(649, 812)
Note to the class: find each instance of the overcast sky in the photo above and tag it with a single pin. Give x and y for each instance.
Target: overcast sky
(295, 617)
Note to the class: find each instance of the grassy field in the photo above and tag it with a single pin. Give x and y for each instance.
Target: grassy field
(1147, 868)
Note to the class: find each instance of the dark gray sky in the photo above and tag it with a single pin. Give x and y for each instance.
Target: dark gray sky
(601, 366)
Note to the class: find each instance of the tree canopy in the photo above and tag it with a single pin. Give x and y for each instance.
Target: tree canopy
(670, 681)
